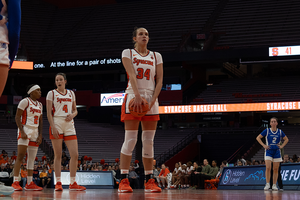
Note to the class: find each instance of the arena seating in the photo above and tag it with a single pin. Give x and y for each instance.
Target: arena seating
(8, 142)
(87, 32)
(244, 23)
(263, 88)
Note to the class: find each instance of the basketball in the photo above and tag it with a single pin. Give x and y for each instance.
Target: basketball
(145, 107)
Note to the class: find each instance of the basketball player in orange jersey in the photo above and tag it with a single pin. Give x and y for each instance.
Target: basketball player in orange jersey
(145, 71)
(30, 123)
(61, 109)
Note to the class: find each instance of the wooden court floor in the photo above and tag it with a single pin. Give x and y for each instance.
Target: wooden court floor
(184, 194)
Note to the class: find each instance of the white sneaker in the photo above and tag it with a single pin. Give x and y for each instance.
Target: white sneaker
(267, 187)
(281, 190)
(274, 187)
(6, 190)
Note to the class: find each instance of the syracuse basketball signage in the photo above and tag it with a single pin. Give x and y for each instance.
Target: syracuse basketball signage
(241, 107)
(111, 99)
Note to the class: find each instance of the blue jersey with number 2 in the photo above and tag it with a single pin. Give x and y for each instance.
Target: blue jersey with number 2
(273, 138)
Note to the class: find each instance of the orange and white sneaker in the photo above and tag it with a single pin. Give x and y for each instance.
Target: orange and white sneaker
(150, 186)
(124, 186)
(16, 186)
(76, 187)
(33, 187)
(58, 187)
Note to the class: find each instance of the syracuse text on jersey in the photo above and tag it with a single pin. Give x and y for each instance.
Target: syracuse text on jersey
(63, 99)
(196, 108)
(138, 61)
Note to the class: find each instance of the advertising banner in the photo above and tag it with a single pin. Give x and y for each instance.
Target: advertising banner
(89, 179)
(111, 99)
(255, 176)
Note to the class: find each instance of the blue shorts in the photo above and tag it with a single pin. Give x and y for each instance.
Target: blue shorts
(273, 154)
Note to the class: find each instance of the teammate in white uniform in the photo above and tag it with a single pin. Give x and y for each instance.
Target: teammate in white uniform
(61, 109)
(145, 72)
(30, 125)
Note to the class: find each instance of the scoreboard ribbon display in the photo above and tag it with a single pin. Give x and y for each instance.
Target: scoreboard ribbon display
(241, 107)
(284, 51)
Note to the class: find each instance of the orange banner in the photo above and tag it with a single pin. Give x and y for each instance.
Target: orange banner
(241, 107)
(22, 65)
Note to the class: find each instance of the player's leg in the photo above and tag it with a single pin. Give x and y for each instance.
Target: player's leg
(3, 76)
(149, 129)
(268, 171)
(72, 145)
(275, 175)
(22, 148)
(131, 133)
(276, 161)
(31, 155)
(57, 148)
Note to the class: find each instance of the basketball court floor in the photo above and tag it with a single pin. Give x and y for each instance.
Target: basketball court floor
(138, 194)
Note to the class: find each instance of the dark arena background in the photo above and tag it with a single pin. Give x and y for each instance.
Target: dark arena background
(229, 66)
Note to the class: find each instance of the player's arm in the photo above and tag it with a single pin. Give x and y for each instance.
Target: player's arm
(49, 105)
(286, 140)
(159, 83)
(19, 123)
(14, 27)
(258, 138)
(74, 112)
(40, 128)
(132, 78)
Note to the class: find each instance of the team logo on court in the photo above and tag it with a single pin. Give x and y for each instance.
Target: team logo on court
(227, 176)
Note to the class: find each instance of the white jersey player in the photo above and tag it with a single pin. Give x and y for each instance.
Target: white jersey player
(30, 126)
(145, 72)
(61, 109)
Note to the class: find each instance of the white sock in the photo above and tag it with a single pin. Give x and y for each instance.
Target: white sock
(16, 178)
(58, 179)
(72, 180)
(147, 172)
(124, 171)
(29, 179)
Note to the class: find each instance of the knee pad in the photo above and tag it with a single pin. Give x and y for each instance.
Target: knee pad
(31, 154)
(129, 142)
(147, 139)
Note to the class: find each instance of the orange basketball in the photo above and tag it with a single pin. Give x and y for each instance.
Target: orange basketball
(145, 107)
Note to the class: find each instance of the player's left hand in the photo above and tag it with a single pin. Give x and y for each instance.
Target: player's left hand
(39, 140)
(152, 102)
(280, 147)
(69, 117)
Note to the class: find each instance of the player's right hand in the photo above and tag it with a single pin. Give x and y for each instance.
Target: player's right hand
(23, 135)
(55, 132)
(266, 147)
(137, 103)
(3, 20)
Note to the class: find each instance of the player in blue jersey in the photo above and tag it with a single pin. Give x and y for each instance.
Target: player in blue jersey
(10, 25)
(272, 147)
